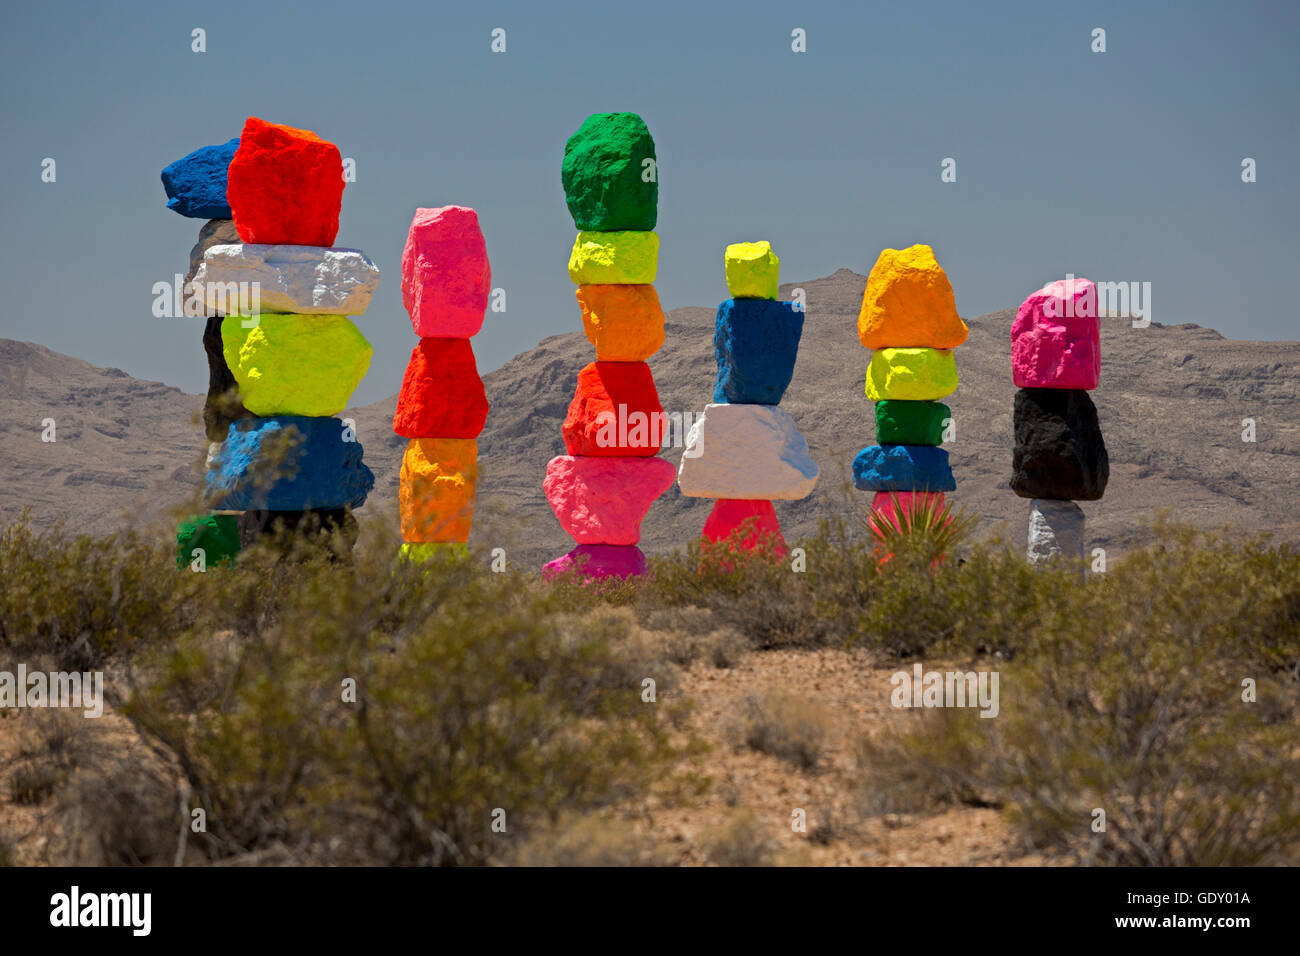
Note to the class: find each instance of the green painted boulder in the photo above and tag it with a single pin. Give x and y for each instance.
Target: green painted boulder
(900, 422)
(611, 181)
(217, 536)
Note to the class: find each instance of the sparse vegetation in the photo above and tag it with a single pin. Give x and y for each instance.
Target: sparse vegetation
(371, 710)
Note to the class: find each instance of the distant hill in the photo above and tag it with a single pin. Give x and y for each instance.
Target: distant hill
(1171, 403)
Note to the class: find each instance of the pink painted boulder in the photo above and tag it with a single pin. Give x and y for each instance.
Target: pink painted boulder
(446, 277)
(744, 525)
(1056, 337)
(599, 561)
(602, 500)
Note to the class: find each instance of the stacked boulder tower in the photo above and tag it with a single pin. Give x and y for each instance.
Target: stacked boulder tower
(745, 450)
(909, 320)
(601, 489)
(196, 188)
(1060, 457)
(442, 407)
(292, 352)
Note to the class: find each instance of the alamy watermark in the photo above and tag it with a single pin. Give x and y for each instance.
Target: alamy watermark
(1107, 300)
(945, 689)
(53, 689)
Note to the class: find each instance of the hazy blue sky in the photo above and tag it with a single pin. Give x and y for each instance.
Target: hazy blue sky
(1118, 166)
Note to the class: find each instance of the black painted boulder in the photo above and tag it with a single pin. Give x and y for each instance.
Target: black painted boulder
(1059, 450)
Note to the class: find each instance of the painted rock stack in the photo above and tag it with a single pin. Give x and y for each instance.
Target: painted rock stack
(602, 488)
(196, 188)
(744, 450)
(442, 407)
(1060, 457)
(291, 349)
(909, 320)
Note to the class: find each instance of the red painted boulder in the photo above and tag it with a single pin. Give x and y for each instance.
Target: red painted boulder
(615, 412)
(745, 525)
(446, 277)
(284, 186)
(442, 395)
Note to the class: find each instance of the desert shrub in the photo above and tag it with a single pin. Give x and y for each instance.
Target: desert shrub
(1127, 696)
(741, 840)
(785, 725)
(81, 598)
(474, 692)
(594, 841)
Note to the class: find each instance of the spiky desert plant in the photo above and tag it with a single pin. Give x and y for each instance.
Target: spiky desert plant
(926, 527)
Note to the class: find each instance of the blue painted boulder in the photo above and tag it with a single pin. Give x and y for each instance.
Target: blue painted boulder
(756, 342)
(902, 468)
(196, 184)
(287, 463)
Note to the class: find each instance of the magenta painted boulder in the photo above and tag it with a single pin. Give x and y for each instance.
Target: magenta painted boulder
(446, 278)
(602, 500)
(1056, 337)
(599, 561)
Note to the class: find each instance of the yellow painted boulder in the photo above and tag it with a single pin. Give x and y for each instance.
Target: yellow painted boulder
(624, 322)
(436, 497)
(295, 364)
(909, 303)
(751, 270)
(913, 375)
(614, 258)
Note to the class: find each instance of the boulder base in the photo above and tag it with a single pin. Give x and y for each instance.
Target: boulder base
(216, 535)
(1056, 531)
(744, 525)
(595, 561)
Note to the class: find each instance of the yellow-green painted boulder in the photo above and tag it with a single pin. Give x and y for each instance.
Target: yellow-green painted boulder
(614, 258)
(751, 270)
(914, 375)
(288, 364)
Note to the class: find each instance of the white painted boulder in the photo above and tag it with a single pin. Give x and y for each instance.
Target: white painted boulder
(746, 452)
(303, 280)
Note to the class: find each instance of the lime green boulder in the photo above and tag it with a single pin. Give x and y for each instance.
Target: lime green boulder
(420, 552)
(217, 536)
(610, 177)
(910, 423)
(614, 258)
(289, 364)
(916, 375)
(751, 270)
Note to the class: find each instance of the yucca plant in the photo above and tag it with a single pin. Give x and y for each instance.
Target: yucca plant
(922, 526)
